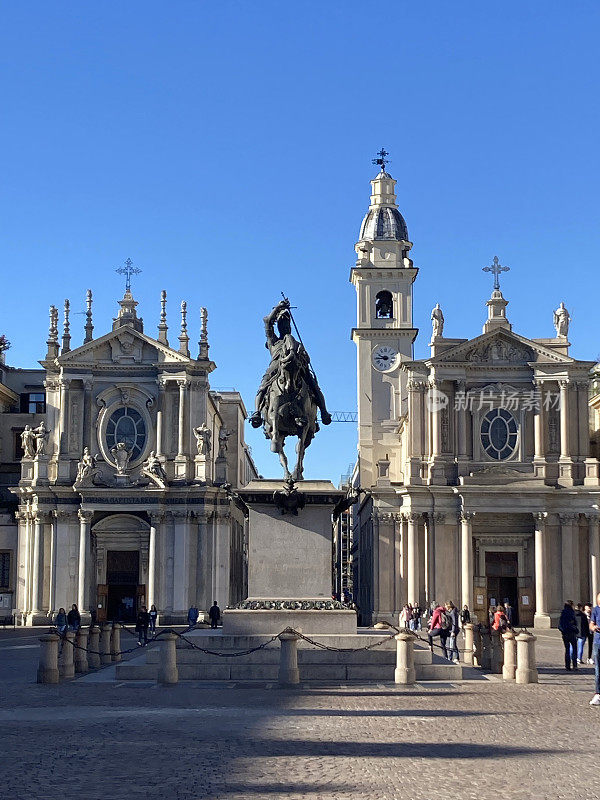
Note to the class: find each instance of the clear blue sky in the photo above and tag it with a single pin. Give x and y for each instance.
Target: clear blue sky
(225, 147)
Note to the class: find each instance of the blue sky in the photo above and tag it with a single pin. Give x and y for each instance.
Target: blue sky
(225, 147)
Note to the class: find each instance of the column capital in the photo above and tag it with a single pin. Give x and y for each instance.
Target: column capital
(438, 517)
(568, 518)
(156, 517)
(540, 516)
(566, 384)
(85, 515)
(466, 516)
(182, 383)
(60, 514)
(593, 517)
(41, 517)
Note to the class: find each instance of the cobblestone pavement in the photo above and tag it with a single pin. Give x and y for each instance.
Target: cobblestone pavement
(466, 741)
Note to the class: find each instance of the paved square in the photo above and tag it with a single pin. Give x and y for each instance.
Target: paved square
(469, 740)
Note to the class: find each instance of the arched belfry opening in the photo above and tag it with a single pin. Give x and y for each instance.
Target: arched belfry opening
(384, 305)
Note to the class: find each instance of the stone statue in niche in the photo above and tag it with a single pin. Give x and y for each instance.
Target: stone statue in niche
(41, 438)
(154, 470)
(203, 439)
(28, 442)
(562, 318)
(122, 456)
(224, 435)
(437, 319)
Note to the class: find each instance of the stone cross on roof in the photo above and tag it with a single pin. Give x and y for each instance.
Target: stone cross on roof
(128, 270)
(496, 269)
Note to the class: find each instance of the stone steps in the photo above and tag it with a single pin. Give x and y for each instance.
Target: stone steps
(314, 664)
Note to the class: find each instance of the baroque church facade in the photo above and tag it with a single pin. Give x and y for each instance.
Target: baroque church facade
(483, 485)
(126, 474)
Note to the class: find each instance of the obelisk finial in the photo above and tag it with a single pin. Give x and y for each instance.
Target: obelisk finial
(162, 325)
(89, 326)
(203, 344)
(184, 339)
(66, 337)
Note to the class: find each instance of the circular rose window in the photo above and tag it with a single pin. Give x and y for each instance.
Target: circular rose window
(499, 433)
(126, 425)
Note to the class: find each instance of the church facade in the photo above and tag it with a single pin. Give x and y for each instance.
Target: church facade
(483, 486)
(125, 493)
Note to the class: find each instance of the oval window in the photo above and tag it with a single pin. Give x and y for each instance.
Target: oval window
(499, 434)
(127, 425)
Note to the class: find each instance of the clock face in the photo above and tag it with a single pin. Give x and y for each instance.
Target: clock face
(385, 357)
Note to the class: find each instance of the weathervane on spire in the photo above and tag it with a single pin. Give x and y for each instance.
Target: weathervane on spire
(382, 160)
(128, 270)
(496, 269)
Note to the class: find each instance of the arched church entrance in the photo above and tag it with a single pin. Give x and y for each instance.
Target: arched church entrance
(121, 563)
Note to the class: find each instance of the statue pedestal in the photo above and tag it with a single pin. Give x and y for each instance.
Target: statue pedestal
(202, 469)
(26, 470)
(289, 563)
(40, 471)
(220, 470)
(181, 468)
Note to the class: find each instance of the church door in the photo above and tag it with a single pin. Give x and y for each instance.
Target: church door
(502, 571)
(122, 579)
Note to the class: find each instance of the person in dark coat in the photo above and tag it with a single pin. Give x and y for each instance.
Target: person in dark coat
(583, 631)
(141, 626)
(465, 615)
(567, 625)
(61, 621)
(193, 615)
(509, 612)
(74, 618)
(214, 614)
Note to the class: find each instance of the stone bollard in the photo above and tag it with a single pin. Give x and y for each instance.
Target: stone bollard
(115, 643)
(105, 632)
(486, 649)
(167, 666)
(405, 658)
(80, 651)
(526, 669)
(289, 674)
(510, 656)
(66, 665)
(469, 639)
(477, 646)
(496, 653)
(94, 647)
(48, 667)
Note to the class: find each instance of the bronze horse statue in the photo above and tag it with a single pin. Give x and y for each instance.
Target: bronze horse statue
(289, 395)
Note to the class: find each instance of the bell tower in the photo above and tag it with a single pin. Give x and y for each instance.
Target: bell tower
(383, 277)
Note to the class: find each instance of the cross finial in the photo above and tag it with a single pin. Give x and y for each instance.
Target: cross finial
(496, 269)
(128, 270)
(382, 160)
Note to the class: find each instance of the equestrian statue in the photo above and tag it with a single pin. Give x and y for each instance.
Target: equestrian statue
(289, 395)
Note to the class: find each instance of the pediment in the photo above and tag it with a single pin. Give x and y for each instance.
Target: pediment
(124, 345)
(500, 347)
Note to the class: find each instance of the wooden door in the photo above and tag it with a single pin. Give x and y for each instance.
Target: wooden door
(102, 602)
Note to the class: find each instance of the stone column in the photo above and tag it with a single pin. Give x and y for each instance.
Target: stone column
(466, 560)
(542, 617)
(66, 665)
(570, 556)
(87, 413)
(412, 583)
(63, 416)
(468, 629)
(155, 520)
(105, 633)
(526, 669)
(85, 519)
(52, 572)
(80, 657)
(509, 666)
(539, 427)
(159, 418)
(168, 673)
(181, 430)
(436, 419)
(181, 562)
(461, 420)
(583, 415)
(594, 547)
(565, 460)
(415, 422)
(94, 647)
(37, 564)
(48, 666)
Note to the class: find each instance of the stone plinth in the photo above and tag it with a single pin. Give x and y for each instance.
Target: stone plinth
(289, 559)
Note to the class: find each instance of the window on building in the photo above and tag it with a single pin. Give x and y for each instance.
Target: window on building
(127, 425)
(17, 448)
(4, 570)
(384, 305)
(33, 403)
(499, 433)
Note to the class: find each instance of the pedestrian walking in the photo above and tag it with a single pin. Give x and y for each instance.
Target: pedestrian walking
(567, 625)
(439, 625)
(61, 621)
(500, 622)
(141, 626)
(74, 618)
(405, 617)
(587, 609)
(583, 631)
(214, 614)
(595, 628)
(153, 615)
(452, 653)
(193, 615)
(509, 612)
(491, 613)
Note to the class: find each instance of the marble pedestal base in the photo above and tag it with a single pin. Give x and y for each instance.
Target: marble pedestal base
(249, 623)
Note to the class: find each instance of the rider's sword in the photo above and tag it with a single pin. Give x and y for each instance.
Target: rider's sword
(310, 366)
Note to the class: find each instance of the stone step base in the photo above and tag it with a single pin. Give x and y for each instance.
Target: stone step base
(270, 655)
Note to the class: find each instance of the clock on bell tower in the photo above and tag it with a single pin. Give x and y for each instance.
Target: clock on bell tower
(383, 277)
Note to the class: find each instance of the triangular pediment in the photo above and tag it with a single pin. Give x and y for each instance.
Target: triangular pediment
(500, 346)
(125, 345)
